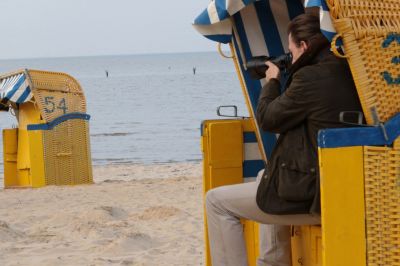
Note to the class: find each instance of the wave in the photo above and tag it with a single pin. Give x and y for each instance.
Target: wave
(115, 134)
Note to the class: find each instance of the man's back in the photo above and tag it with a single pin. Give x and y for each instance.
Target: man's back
(329, 91)
(316, 95)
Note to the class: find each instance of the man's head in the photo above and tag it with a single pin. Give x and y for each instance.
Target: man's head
(302, 30)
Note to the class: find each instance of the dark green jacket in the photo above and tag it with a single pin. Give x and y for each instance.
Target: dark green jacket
(319, 89)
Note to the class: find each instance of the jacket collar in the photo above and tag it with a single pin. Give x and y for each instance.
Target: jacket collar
(319, 49)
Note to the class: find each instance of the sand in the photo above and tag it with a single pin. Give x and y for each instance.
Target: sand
(132, 215)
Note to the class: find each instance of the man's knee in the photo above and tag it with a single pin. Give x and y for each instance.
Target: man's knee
(211, 200)
(260, 174)
(215, 200)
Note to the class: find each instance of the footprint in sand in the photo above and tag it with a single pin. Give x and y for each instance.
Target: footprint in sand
(158, 212)
(115, 212)
(7, 233)
(131, 243)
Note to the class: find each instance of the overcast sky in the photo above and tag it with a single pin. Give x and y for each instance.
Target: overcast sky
(56, 28)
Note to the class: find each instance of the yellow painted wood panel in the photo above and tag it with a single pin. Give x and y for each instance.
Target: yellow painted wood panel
(250, 229)
(343, 207)
(28, 114)
(23, 160)
(226, 144)
(222, 147)
(10, 149)
(306, 245)
(36, 157)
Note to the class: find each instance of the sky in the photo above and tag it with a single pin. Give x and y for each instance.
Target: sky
(63, 28)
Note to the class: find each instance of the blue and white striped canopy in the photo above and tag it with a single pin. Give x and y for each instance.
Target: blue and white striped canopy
(15, 89)
(327, 27)
(215, 21)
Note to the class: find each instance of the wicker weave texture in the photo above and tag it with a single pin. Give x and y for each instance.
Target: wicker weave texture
(366, 11)
(56, 94)
(67, 154)
(370, 31)
(382, 194)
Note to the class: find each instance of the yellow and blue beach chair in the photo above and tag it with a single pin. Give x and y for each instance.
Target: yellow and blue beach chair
(51, 144)
(360, 167)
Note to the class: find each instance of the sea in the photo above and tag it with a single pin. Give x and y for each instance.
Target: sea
(150, 107)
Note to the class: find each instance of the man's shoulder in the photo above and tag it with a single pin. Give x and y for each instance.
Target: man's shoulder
(306, 73)
(324, 69)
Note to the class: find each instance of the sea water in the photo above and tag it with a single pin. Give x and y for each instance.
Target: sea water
(150, 107)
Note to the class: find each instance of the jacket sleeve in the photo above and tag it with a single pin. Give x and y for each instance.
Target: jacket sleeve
(278, 112)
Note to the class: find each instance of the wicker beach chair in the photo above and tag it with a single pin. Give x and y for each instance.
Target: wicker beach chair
(51, 144)
(370, 32)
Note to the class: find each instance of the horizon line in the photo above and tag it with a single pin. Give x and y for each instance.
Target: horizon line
(106, 55)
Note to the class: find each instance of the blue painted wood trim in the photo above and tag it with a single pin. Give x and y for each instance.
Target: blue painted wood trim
(360, 136)
(59, 120)
(249, 137)
(252, 167)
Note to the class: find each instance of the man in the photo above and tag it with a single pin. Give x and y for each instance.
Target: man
(318, 89)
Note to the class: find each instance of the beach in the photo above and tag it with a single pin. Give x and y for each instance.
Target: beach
(134, 214)
(145, 207)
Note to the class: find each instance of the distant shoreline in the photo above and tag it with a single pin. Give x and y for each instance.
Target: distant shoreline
(106, 55)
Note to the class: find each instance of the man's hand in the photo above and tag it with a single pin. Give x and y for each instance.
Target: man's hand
(272, 72)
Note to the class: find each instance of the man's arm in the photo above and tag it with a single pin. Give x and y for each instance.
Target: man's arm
(278, 113)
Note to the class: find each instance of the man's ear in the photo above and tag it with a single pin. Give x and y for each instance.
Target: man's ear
(304, 45)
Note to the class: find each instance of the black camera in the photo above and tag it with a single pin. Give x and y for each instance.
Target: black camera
(256, 66)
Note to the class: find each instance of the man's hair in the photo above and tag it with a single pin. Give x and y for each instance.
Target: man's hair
(304, 27)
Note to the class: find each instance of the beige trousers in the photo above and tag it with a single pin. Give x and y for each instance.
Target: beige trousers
(226, 205)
